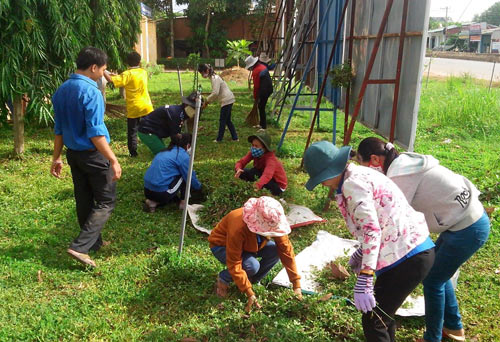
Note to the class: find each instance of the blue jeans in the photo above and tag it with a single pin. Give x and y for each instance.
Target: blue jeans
(452, 250)
(225, 119)
(255, 270)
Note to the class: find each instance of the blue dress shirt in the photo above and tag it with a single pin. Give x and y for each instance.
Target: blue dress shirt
(79, 113)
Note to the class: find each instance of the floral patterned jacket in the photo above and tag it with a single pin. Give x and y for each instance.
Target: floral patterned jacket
(379, 216)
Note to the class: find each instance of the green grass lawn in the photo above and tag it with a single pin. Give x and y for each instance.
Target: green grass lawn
(143, 291)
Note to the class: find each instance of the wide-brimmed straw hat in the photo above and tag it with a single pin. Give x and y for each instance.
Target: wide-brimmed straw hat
(265, 216)
(250, 61)
(323, 160)
(264, 57)
(190, 100)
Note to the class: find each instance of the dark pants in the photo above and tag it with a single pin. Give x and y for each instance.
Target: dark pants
(255, 269)
(250, 175)
(225, 119)
(132, 127)
(391, 289)
(262, 110)
(171, 195)
(94, 195)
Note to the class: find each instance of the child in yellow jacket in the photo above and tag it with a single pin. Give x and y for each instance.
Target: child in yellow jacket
(135, 82)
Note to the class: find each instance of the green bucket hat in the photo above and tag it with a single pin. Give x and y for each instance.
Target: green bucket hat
(323, 160)
(263, 137)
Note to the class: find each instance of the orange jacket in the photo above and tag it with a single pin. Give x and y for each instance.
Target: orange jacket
(232, 233)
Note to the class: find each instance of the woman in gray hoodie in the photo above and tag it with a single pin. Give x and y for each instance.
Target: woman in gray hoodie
(450, 203)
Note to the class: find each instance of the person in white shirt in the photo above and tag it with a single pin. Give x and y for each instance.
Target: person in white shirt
(221, 93)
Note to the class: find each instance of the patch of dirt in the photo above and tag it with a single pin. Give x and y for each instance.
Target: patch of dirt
(235, 74)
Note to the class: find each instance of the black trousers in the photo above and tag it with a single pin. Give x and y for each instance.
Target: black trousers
(250, 175)
(225, 119)
(95, 196)
(172, 194)
(132, 127)
(262, 110)
(391, 289)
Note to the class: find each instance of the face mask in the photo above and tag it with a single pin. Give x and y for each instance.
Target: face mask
(188, 151)
(190, 111)
(256, 152)
(377, 168)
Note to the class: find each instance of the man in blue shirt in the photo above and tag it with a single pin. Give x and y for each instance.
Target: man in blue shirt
(79, 125)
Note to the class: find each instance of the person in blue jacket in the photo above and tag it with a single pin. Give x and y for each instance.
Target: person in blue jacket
(168, 173)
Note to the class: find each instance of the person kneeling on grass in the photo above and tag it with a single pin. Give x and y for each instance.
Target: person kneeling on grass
(395, 242)
(165, 122)
(244, 235)
(168, 174)
(266, 167)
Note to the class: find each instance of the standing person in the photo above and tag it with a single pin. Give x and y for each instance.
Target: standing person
(450, 203)
(79, 125)
(135, 82)
(266, 167)
(222, 93)
(168, 175)
(264, 59)
(262, 87)
(395, 242)
(165, 121)
(244, 235)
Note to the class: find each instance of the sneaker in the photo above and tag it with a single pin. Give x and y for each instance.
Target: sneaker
(133, 154)
(81, 257)
(261, 130)
(256, 126)
(216, 141)
(221, 288)
(235, 140)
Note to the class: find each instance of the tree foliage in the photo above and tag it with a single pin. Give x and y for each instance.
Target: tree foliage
(41, 38)
(238, 50)
(491, 15)
(206, 20)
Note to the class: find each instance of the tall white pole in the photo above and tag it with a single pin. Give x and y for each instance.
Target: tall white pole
(190, 170)
(147, 41)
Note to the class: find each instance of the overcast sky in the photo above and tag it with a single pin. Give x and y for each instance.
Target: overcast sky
(458, 10)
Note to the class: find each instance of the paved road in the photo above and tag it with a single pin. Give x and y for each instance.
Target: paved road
(457, 67)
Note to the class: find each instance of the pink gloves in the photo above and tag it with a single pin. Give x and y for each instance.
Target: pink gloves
(363, 293)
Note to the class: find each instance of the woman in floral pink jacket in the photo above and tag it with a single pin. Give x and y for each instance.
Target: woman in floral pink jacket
(395, 243)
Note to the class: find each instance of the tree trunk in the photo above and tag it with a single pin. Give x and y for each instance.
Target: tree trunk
(18, 117)
(172, 35)
(207, 26)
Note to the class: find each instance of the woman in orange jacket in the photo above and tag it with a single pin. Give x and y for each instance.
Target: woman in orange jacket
(244, 235)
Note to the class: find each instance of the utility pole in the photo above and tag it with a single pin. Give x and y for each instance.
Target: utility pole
(445, 23)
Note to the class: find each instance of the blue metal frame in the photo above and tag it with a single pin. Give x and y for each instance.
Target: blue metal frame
(322, 47)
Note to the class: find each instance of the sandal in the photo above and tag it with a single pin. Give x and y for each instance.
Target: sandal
(221, 288)
(149, 206)
(454, 335)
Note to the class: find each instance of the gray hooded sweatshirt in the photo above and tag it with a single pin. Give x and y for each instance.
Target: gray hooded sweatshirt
(449, 201)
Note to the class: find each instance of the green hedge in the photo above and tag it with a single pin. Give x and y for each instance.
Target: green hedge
(182, 62)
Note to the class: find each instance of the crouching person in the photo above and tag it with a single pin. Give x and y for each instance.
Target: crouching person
(267, 169)
(168, 173)
(243, 236)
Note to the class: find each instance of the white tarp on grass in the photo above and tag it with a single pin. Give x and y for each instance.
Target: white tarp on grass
(326, 248)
